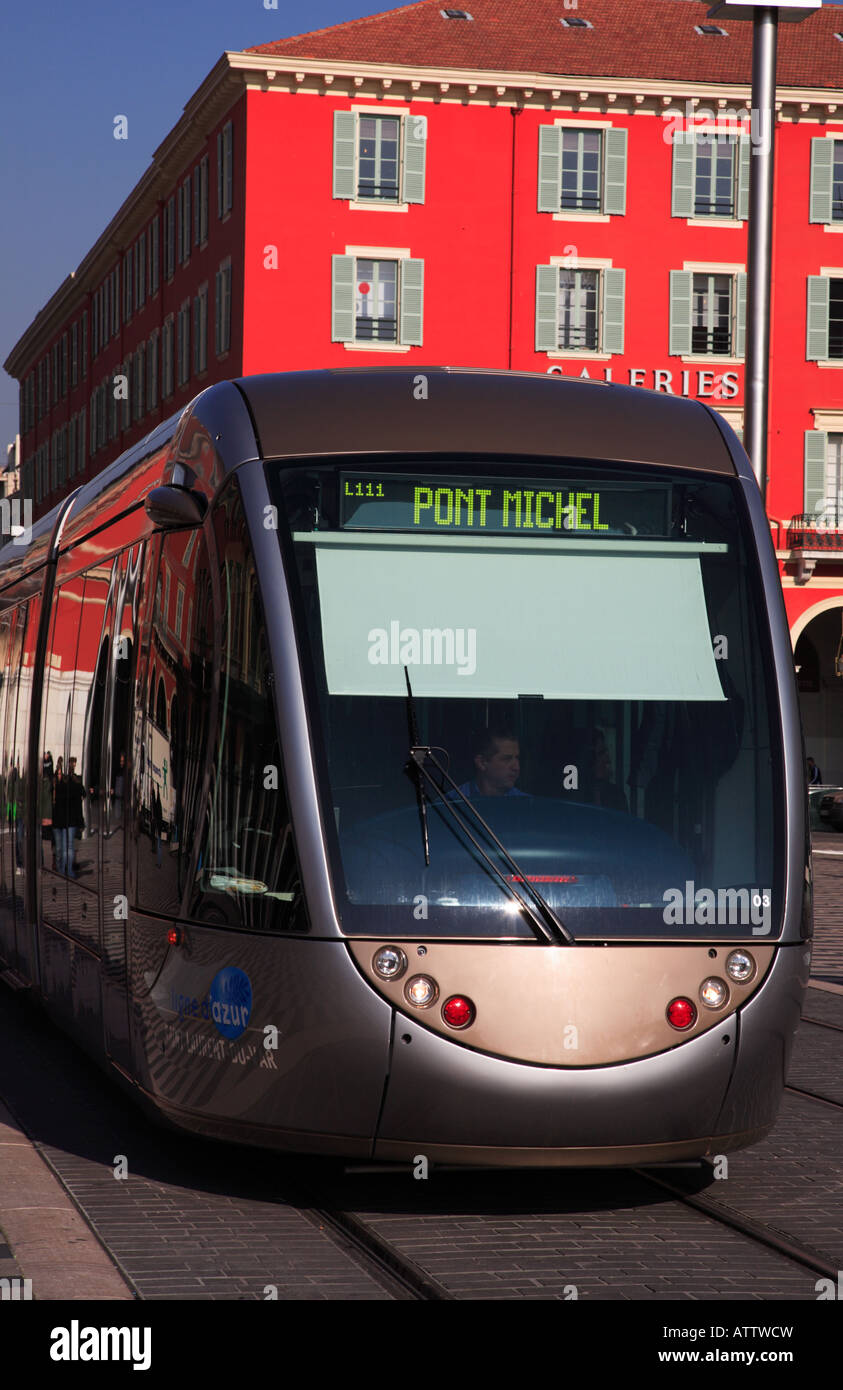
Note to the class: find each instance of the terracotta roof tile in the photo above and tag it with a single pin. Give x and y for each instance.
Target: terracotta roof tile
(653, 40)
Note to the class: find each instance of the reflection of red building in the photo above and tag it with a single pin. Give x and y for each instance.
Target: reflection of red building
(499, 190)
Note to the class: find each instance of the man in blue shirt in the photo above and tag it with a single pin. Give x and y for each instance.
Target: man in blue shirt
(497, 765)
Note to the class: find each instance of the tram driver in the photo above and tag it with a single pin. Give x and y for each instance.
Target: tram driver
(497, 764)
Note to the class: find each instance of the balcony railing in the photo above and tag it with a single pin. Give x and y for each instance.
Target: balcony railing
(818, 532)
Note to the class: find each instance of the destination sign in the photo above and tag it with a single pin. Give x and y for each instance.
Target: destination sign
(493, 506)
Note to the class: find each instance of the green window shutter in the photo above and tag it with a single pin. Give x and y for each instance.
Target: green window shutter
(547, 308)
(816, 347)
(743, 152)
(614, 171)
(822, 170)
(550, 168)
(680, 313)
(411, 306)
(740, 315)
(345, 129)
(815, 455)
(682, 198)
(413, 161)
(613, 304)
(342, 299)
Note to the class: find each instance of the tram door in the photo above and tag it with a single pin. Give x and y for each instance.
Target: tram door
(114, 822)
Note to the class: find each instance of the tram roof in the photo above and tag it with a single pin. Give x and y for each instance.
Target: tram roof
(468, 410)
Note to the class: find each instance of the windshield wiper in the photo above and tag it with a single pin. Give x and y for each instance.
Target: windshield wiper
(414, 769)
(543, 919)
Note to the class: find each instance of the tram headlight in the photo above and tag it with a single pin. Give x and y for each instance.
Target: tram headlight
(421, 991)
(389, 962)
(740, 967)
(714, 993)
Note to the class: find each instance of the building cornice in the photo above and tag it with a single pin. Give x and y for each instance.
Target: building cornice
(236, 72)
(509, 88)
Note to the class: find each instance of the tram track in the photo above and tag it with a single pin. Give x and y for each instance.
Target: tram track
(399, 1275)
(747, 1226)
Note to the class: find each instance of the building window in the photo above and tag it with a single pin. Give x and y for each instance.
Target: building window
(95, 324)
(63, 365)
(115, 300)
(152, 372)
(85, 344)
(169, 238)
(183, 343)
(127, 287)
(154, 254)
(113, 408)
(200, 330)
(582, 170)
(225, 171)
(80, 443)
(579, 310)
(102, 412)
(825, 319)
(710, 175)
(379, 159)
(707, 313)
(203, 200)
(378, 141)
(578, 290)
(377, 301)
(140, 271)
(714, 177)
(125, 371)
(184, 223)
(167, 358)
(222, 309)
(138, 383)
(711, 314)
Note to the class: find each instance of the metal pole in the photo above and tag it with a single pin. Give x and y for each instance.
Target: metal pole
(759, 259)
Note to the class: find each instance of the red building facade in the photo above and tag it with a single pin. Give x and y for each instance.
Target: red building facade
(537, 186)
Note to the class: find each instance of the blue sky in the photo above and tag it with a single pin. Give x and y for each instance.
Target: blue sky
(69, 69)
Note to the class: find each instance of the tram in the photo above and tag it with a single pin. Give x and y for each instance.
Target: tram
(408, 762)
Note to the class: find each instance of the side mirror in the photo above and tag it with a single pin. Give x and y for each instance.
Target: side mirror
(175, 508)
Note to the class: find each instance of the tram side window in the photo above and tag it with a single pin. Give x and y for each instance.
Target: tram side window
(171, 719)
(58, 725)
(247, 874)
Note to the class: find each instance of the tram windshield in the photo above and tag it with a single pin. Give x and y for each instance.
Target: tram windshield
(587, 663)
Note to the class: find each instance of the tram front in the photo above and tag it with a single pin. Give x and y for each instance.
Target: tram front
(548, 742)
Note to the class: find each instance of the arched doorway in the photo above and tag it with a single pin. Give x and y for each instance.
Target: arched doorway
(818, 638)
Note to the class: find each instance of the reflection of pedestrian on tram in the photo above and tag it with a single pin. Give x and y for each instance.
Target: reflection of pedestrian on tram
(75, 815)
(603, 791)
(45, 807)
(118, 791)
(157, 825)
(60, 819)
(19, 813)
